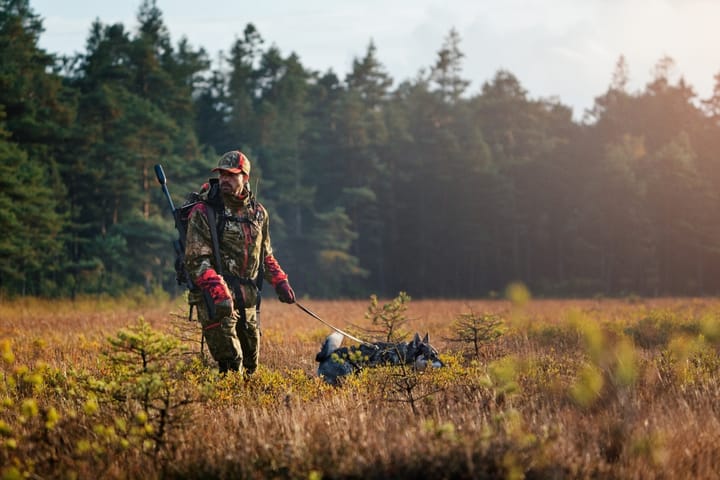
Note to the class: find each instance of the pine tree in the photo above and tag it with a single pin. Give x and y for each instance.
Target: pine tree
(244, 88)
(446, 73)
(35, 111)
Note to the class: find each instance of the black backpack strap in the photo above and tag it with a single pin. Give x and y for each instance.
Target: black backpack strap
(212, 222)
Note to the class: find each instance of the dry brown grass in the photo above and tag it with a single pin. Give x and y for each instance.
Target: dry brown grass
(508, 414)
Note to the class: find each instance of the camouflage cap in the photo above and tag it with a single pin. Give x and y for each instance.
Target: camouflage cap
(234, 162)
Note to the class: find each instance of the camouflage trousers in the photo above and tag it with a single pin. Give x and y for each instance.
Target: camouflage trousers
(234, 344)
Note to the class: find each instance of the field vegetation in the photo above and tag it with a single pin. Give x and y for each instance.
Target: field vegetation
(532, 389)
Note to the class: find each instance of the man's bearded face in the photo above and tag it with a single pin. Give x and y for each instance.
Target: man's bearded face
(232, 183)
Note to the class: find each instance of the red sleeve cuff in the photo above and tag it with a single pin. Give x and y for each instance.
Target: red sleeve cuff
(214, 284)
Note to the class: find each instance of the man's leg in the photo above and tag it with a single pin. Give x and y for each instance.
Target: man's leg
(222, 340)
(249, 336)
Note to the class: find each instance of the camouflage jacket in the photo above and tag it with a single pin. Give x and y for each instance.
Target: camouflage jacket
(244, 243)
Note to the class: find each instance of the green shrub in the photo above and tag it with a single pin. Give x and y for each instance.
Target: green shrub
(658, 327)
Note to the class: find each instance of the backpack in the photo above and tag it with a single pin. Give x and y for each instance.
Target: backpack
(213, 202)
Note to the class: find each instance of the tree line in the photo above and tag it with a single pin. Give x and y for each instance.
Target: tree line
(374, 186)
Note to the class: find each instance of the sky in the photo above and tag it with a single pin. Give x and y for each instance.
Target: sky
(561, 49)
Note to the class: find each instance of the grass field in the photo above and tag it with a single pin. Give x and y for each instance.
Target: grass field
(551, 389)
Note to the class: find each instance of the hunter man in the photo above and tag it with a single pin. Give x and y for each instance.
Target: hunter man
(229, 318)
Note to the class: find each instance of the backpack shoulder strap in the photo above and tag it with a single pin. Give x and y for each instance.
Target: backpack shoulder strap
(212, 223)
(213, 203)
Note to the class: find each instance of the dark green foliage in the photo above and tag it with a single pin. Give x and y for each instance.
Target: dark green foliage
(34, 115)
(29, 222)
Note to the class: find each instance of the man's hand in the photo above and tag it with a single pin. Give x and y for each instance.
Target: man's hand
(285, 292)
(218, 290)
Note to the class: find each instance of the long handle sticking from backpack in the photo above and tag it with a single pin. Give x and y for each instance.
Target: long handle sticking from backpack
(179, 243)
(160, 174)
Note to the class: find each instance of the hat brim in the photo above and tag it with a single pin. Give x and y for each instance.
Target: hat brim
(231, 170)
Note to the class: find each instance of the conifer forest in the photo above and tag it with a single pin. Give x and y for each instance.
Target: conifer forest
(374, 184)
